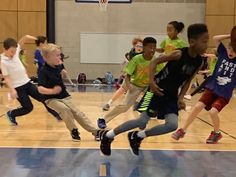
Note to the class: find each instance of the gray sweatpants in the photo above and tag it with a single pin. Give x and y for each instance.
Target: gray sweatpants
(171, 124)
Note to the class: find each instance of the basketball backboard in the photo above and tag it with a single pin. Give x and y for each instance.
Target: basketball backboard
(110, 1)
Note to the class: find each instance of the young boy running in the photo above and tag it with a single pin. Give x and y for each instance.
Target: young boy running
(163, 97)
(218, 89)
(17, 79)
(57, 98)
(137, 71)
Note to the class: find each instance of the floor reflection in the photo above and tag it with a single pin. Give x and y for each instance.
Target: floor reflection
(51, 162)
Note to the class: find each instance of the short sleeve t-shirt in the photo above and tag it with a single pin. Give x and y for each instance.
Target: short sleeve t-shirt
(39, 58)
(14, 68)
(223, 79)
(170, 45)
(138, 69)
(50, 77)
(176, 72)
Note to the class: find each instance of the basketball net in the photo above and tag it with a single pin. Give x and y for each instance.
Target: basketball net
(103, 5)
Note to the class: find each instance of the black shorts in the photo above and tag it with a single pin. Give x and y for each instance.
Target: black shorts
(157, 106)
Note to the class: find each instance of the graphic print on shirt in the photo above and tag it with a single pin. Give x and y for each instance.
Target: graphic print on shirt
(142, 72)
(226, 71)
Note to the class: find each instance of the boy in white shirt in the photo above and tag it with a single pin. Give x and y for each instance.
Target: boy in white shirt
(17, 79)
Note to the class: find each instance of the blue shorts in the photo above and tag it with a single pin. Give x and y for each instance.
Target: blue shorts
(157, 106)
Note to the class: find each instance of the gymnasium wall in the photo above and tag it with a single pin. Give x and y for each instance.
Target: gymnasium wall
(139, 17)
(20, 17)
(220, 17)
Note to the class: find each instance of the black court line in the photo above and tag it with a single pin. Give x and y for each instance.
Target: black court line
(2, 115)
(220, 129)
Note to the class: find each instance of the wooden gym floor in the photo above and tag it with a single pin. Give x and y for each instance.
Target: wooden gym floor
(40, 136)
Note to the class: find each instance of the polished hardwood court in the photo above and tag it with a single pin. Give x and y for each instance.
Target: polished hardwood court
(42, 146)
(40, 129)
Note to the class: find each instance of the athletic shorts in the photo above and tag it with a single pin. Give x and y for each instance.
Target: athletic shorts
(210, 99)
(157, 106)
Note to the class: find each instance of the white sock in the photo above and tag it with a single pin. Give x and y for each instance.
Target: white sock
(142, 134)
(109, 102)
(110, 134)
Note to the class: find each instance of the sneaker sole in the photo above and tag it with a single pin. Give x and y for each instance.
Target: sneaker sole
(75, 140)
(104, 155)
(213, 142)
(172, 136)
(133, 152)
(97, 139)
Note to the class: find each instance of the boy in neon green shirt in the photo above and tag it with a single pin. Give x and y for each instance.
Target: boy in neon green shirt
(136, 79)
(138, 69)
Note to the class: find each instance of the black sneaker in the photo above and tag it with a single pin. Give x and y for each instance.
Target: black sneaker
(12, 119)
(134, 142)
(105, 146)
(101, 123)
(75, 135)
(97, 135)
(59, 119)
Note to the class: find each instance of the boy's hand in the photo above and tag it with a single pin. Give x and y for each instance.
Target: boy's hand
(13, 94)
(181, 104)
(56, 89)
(155, 89)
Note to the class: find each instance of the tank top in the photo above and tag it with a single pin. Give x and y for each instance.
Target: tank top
(176, 72)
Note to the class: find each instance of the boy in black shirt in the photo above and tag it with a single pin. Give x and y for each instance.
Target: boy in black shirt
(162, 98)
(52, 87)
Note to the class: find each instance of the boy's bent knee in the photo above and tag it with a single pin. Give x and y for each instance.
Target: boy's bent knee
(172, 122)
(28, 108)
(172, 126)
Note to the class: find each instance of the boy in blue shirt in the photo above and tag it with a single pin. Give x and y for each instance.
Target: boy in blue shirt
(218, 90)
(40, 42)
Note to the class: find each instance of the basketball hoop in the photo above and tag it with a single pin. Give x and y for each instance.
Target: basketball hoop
(103, 5)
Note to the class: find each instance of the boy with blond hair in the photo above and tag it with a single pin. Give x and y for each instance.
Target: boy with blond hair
(52, 87)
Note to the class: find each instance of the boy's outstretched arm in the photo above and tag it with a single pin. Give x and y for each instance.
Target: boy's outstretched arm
(175, 55)
(159, 50)
(219, 38)
(49, 91)
(25, 38)
(184, 89)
